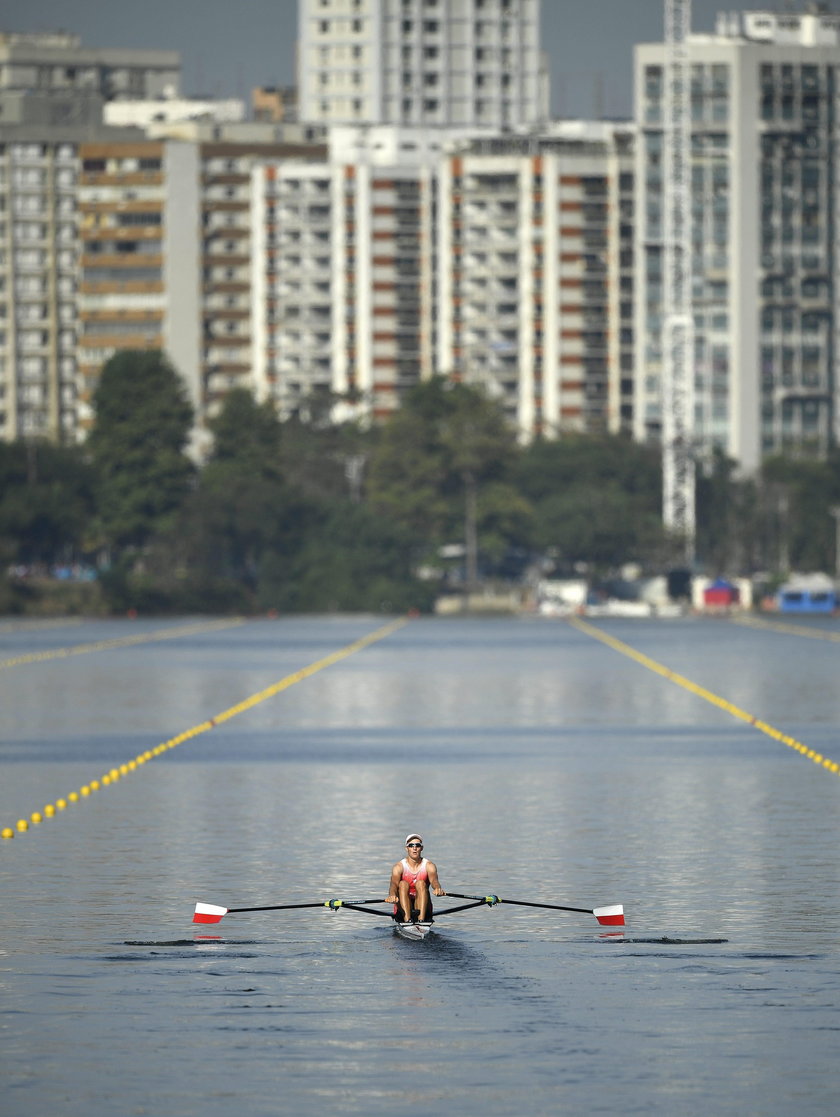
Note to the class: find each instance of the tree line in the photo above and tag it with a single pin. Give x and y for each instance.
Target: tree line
(309, 515)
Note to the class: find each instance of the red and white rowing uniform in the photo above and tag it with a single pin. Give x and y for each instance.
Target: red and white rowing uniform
(412, 874)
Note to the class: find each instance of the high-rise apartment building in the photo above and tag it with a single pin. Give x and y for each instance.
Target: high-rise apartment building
(227, 298)
(39, 278)
(38, 287)
(166, 258)
(441, 63)
(765, 168)
(505, 263)
(343, 273)
(51, 95)
(140, 258)
(535, 276)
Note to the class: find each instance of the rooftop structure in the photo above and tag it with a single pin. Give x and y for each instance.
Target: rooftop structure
(462, 63)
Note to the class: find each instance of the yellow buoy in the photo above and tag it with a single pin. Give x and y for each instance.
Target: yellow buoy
(49, 810)
(22, 824)
(7, 832)
(61, 804)
(36, 817)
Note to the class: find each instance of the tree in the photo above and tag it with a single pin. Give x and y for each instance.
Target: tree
(799, 495)
(243, 514)
(727, 518)
(596, 498)
(432, 466)
(352, 559)
(479, 445)
(46, 502)
(137, 447)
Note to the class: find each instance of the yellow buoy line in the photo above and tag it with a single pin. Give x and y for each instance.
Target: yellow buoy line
(788, 629)
(122, 642)
(115, 774)
(715, 699)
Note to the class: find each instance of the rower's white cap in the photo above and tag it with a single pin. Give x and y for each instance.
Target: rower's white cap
(410, 836)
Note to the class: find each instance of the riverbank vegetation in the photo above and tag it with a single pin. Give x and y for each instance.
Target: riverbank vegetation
(308, 515)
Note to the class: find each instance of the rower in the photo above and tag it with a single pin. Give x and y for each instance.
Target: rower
(410, 881)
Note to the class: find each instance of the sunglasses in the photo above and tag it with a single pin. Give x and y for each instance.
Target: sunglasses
(414, 845)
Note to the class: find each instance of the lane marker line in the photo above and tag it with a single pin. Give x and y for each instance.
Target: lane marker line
(715, 699)
(122, 642)
(788, 629)
(115, 774)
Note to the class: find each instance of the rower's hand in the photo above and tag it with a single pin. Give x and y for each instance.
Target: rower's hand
(438, 892)
(392, 899)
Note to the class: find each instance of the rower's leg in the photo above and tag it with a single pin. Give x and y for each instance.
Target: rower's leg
(421, 900)
(405, 901)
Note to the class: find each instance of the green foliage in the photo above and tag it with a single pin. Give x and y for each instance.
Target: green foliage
(445, 438)
(798, 496)
(596, 499)
(244, 508)
(308, 515)
(352, 560)
(143, 421)
(728, 519)
(46, 500)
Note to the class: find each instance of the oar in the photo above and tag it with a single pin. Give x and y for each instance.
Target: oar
(611, 916)
(478, 902)
(213, 913)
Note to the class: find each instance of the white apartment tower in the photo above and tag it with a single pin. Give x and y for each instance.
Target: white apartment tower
(342, 274)
(38, 286)
(765, 167)
(442, 63)
(535, 276)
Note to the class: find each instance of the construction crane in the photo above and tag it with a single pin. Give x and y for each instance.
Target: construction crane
(678, 474)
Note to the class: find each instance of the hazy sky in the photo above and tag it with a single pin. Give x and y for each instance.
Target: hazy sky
(229, 46)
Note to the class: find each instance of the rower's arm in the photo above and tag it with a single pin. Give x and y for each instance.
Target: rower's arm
(394, 886)
(431, 869)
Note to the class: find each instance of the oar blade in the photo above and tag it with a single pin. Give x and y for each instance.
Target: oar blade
(610, 916)
(209, 913)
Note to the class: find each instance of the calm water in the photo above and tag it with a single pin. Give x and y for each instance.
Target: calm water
(537, 762)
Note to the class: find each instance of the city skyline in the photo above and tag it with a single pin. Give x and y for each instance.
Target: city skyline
(590, 47)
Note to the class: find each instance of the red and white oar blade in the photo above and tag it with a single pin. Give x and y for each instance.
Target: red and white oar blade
(612, 916)
(208, 913)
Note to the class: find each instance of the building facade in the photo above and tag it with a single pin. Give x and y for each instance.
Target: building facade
(535, 276)
(39, 279)
(51, 78)
(441, 63)
(764, 192)
(52, 90)
(38, 267)
(343, 274)
(166, 260)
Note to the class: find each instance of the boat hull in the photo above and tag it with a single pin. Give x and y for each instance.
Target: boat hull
(415, 931)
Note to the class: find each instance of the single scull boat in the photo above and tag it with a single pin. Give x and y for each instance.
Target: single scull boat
(609, 916)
